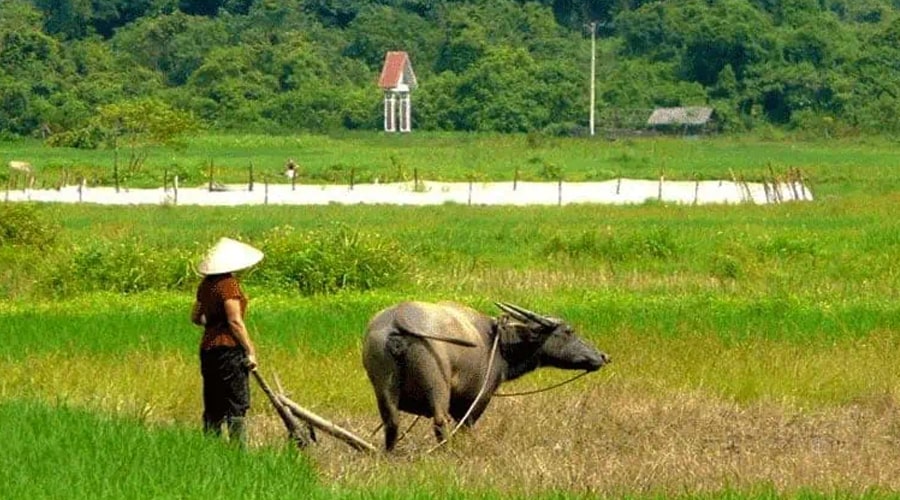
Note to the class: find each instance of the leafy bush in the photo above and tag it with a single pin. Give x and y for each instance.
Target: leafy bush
(25, 224)
(328, 260)
(726, 266)
(87, 137)
(123, 266)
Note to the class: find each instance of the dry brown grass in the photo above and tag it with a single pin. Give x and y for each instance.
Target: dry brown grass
(504, 282)
(614, 440)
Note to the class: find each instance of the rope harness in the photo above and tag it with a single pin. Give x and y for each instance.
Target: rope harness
(487, 375)
(538, 391)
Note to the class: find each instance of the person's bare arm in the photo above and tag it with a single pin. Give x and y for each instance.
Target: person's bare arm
(197, 317)
(236, 322)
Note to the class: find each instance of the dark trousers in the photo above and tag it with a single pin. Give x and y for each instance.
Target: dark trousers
(226, 388)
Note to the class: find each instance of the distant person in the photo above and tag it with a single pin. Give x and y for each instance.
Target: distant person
(290, 169)
(227, 354)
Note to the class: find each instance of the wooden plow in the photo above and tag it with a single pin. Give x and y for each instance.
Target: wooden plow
(291, 414)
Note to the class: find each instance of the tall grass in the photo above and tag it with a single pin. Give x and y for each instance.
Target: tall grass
(828, 251)
(59, 452)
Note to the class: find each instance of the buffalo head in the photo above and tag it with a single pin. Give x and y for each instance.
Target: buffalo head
(554, 341)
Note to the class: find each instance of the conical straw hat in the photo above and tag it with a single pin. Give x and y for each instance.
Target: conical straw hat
(229, 255)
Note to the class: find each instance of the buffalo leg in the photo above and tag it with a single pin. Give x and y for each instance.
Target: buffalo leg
(459, 411)
(429, 380)
(390, 417)
(440, 407)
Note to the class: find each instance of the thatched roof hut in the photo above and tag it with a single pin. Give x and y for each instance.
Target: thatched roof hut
(682, 119)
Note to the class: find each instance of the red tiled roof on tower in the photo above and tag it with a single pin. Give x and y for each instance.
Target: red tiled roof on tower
(397, 70)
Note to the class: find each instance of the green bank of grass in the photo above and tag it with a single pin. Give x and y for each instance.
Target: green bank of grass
(107, 323)
(746, 350)
(58, 452)
(831, 166)
(62, 452)
(831, 251)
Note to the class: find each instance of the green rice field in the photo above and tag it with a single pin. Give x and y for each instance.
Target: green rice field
(754, 347)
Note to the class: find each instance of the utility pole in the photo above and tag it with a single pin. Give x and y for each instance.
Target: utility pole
(593, 26)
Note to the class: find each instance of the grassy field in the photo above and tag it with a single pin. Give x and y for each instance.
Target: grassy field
(833, 167)
(754, 347)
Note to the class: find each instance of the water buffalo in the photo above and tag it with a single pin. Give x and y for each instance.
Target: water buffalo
(432, 359)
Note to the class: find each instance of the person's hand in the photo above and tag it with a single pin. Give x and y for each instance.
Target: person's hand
(250, 362)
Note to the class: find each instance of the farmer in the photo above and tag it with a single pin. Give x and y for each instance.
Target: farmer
(227, 354)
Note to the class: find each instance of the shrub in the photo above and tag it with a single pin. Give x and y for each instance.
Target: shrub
(123, 266)
(726, 266)
(26, 224)
(89, 137)
(328, 260)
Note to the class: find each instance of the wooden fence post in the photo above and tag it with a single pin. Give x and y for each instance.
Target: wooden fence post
(516, 179)
(793, 176)
(116, 168)
(802, 183)
(175, 188)
(250, 186)
(210, 175)
(737, 184)
(559, 190)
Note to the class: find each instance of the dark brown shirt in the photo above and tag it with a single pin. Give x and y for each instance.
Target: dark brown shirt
(212, 293)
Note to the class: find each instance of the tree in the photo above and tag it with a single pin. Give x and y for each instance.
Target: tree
(142, 122)
(174, 44)
(728, 33)
(32, 69)
(465, 41)
(337, 13)
(66, 18)
(501, 93)
(232, 86)
(648, 32)
(376, 30)
(876, 82)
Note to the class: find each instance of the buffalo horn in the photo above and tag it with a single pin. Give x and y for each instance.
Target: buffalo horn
(524, 314)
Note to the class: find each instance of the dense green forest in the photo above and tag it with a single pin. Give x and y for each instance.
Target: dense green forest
(73, 71)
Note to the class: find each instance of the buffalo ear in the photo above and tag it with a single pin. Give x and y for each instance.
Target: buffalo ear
(528, 333)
